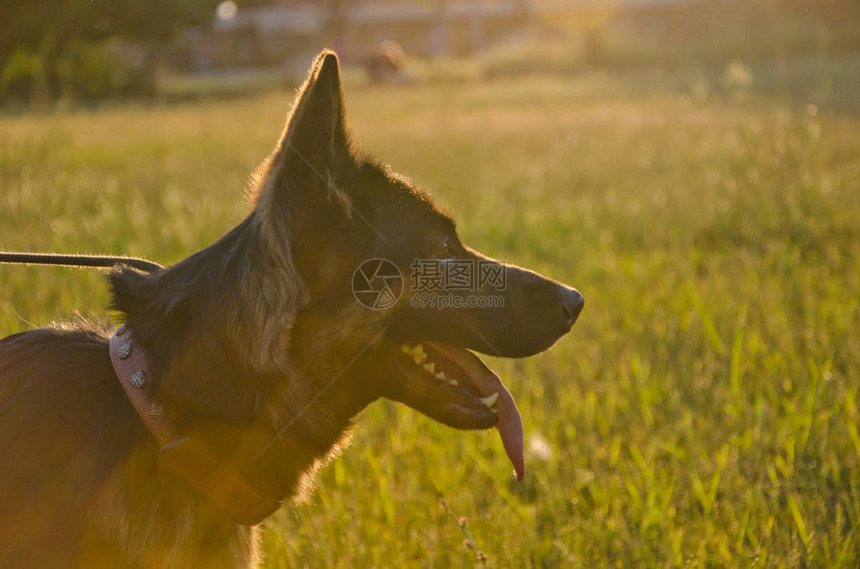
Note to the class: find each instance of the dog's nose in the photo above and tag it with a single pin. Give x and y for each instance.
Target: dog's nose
(571, 305)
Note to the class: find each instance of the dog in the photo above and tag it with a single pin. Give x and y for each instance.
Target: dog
(261, 353)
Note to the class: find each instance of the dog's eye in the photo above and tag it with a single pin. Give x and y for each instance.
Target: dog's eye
(444, 250)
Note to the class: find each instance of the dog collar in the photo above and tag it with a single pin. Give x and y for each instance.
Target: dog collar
(218, 480)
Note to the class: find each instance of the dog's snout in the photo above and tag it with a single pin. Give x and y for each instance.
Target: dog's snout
(571, 305)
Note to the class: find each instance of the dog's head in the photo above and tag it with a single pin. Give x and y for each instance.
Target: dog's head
(381, 263)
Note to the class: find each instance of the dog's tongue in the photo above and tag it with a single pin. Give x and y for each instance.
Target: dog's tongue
(510, 425)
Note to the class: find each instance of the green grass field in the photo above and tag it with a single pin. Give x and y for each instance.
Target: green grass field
(704, 410)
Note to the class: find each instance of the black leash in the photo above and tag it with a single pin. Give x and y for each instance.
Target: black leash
(103, 261)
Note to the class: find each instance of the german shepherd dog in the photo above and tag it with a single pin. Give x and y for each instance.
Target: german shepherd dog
(258, 347)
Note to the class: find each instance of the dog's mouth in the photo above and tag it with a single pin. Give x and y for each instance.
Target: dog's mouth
(453, 386)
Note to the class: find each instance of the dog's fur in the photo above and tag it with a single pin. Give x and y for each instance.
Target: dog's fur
(253, 339)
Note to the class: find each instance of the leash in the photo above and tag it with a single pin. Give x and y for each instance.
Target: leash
(98, 261)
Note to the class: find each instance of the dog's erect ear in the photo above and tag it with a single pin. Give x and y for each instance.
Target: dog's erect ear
(311, 156)
(315, 143)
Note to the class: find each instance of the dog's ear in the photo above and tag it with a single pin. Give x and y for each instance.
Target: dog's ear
(315, 146)
(316, 130)
(312, 156)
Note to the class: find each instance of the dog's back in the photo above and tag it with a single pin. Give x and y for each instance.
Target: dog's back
(64, 424)
(79, 483)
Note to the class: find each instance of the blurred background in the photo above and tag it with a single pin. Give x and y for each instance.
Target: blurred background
(85, 50)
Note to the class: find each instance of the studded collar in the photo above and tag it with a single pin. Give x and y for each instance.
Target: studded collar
(211, 475)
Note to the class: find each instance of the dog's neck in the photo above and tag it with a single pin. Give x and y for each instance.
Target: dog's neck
(219, 328)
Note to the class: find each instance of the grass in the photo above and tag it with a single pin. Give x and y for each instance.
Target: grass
(703, 412)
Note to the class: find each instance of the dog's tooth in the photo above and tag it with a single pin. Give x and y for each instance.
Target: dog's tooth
(490, 400)
(418, 355)
(430, 368)
(441, 375)
(453, 382)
